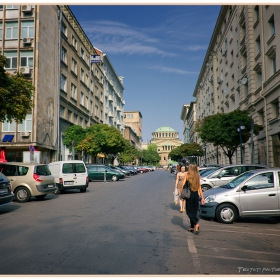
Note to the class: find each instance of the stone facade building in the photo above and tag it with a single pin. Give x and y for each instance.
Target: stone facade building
(47, 44)
(241, 71)
(166, 139)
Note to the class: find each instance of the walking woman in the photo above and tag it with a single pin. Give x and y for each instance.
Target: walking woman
(193, 202)
(179, 184)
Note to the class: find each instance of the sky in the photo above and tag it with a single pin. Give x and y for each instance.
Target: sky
(158, 49)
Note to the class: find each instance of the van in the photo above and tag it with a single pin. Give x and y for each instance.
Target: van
(254, 193)
(28, 179)
(224, 174)
(70, 174)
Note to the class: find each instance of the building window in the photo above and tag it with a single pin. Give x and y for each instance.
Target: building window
(82, 75)
(12, 7)
(257, 13)
(9, 127)
(12, 30)
(27, 29)
(61, 111)
(64, 29)
(86, 104)
(258, 45)
(74, 66)
(64, 55)
(1, 7)
(73, 91)
(75, 119)
(11, 59)
(271, 54)
(1, 30)
(82, 99)
(63, 83)
(82, 53)
(69, 115)
(96, 110)
(26, 125)
(26, 58)
(272, 25)
(81, 121)
(74, 42)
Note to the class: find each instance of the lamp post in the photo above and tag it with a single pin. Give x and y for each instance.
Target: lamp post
(197, 157)
(239, 129)
(204, 153)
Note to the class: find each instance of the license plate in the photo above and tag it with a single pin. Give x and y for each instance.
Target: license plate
(69, 183)
(50, 186)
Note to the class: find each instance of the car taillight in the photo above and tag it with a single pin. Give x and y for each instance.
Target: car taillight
(87, 179)
(61, 181)
(37, 177)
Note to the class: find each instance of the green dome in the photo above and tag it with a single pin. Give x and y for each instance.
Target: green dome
(165, 129)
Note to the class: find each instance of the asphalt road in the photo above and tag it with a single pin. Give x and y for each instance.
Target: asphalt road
(130, 227)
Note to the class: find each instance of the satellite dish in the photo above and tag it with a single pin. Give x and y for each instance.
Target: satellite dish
(244, 81)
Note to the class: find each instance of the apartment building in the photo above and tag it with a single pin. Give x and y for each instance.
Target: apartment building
(241, 71)
(113, 96)
(133, 119)
(186, 128)
(47, 44)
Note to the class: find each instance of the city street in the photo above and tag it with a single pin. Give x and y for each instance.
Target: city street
(130, 227)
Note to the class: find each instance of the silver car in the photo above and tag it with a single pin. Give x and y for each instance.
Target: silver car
(225, 174)
(254, 193)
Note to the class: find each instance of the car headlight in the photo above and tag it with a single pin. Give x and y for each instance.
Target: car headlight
(209, 198)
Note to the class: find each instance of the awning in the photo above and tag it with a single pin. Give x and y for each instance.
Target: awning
(101, 155)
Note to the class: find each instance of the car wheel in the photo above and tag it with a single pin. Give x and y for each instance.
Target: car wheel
(226, 213)
(205, 187)
(114, 178)
(83, 190)
(22, 194)
(40, 197)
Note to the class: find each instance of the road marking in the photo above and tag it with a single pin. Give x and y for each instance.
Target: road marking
(195, 258)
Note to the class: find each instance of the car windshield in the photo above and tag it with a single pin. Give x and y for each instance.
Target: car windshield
(207, 172)
(42, 170)
(236, 181)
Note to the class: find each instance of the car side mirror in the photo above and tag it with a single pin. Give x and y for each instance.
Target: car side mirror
(219, 176)
(244, 188)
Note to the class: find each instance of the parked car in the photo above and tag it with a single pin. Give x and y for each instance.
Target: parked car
(6, 195)
(125, 172)
(207, 170)
(97, 172)
(132, 171)
(173, 169)
(70, 174)
(224, 174)
(211, 165)
(253, 193)
(142, 169)
(28, 179)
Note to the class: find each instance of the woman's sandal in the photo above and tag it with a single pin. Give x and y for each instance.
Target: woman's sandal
(196, 231)
(190, 229)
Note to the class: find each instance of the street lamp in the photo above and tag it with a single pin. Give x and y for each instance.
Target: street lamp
(239, 129)
(197, 157)
(204, 153)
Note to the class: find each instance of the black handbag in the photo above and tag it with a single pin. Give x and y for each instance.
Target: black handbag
(186, 193)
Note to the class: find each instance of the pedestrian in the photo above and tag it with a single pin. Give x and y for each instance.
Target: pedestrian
(193, 202)
(179, 184)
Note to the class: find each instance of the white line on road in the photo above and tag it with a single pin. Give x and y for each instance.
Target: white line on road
(195, 258)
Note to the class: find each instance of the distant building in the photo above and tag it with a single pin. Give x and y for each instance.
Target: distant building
(166, 139)
(133, 119)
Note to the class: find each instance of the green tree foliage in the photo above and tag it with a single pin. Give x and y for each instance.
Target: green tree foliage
(221, 130)
(176, 153)
(74, 133)
(129, 153)
(101, 138)
(15, 95)
(186, 150)
(150, 156)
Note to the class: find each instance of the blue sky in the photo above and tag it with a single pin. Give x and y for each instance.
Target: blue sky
(158, 49)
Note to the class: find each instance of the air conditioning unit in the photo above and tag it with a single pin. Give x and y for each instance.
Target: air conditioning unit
(24, 133)
(25, 70)
(224, 90)
(219, 81)
(26, 41)
(26, 8)
(224, 53)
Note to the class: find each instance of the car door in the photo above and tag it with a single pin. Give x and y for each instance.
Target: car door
(260, 195)
(224, 176)
(101, 171)
(92, 172)
(81, 174)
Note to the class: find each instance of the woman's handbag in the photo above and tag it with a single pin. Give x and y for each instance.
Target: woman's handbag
(186, 193)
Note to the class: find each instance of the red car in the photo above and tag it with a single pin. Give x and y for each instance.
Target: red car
(142, 169)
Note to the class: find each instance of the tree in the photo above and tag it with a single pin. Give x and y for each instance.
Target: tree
(129, 154)
(150, 155)
(176, 153)
(15, 95)
(74, 133)
(101, 138)
(221, 130)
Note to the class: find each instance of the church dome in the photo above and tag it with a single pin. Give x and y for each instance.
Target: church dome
(165, 129)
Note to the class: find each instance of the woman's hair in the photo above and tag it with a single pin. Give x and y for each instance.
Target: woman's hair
(193, 177)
